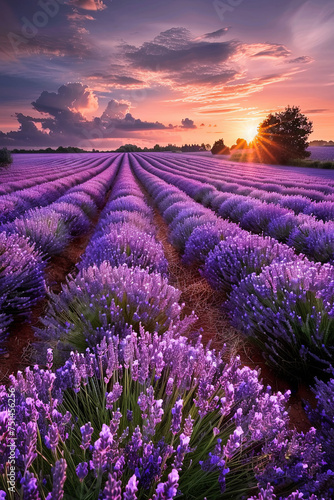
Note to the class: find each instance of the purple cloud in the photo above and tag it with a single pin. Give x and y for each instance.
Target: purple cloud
(187, 123)
(65, 124)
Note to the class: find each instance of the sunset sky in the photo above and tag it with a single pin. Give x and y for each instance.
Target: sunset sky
(101, 73)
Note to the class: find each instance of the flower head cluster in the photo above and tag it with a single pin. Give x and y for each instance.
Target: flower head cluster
(156, 447)
(238, 256)
(288, 311)
(109, 299)
(21, 274)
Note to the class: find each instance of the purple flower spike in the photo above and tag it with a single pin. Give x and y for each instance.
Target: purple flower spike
(168, 490)
(82, 470)
(86, 433)
(112, 490)
(177, 417)
(131, 489)
(233, 442)
(49, 359)
(265, 494)
(59, 477)
(114, 395)
(29, 488)
(52, 437)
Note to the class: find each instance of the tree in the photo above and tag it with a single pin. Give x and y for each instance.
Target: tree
(219, 148)
(128, 148)
(240, 144)
(5, 157)
(283, 136)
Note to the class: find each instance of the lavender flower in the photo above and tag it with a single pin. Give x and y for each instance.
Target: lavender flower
(82, 471)
(29, 487)
(113, 396)
(258, 219)
(126, 245)
(204, 238)
(106, 298)
(45, 228)
(21, 274)
(59, 477)
(131, 489)
(167, 490)
(86, 433)
(112, 490)
(177, 417)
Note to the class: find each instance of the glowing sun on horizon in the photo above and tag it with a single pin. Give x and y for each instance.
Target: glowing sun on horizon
(250, 132)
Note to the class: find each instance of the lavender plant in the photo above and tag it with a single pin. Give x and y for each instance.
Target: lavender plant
(204, 238)
(322, 417)
(238, 256)
(296, 203)
(104, 299)
(258, 219)
(282, 227)
(315, 239)
(235, 207)
(182, 231)
(174, 209)
(21, 274)
(323, 210)
(131, 204)
(81, 199)
(73, 216)
(146, 417)
(287, 310)
(126, 245)
(45, 228)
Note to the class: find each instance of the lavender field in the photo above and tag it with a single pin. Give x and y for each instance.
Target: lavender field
(323, 153)
(131, 286)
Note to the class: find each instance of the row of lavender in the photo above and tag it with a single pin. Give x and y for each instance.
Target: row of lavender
(317, 201)
(30, 240)
(143, 413)
(258, 176)
(47, 191)
(32, 170)
(304, 233)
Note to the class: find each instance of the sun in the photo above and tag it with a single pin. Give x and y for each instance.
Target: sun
(250, 132)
